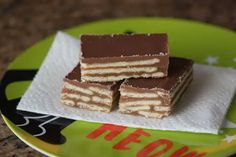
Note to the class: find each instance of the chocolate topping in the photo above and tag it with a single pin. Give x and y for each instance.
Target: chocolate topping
(178, 67)
(101, 46)
(75, 74)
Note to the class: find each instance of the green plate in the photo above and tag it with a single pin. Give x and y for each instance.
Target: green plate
(56, 136)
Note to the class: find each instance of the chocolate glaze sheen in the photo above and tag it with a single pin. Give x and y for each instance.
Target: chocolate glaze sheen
(100, 46)
(177, 68)
(74, 74)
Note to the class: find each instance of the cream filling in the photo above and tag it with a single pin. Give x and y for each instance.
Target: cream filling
(138, 95)
(101, 91)
(158, 74)
(141, 102)
(120, 77)
(119, 70)
(121, 63)
(161, 94)
(76, 88)
(135, 108)
(76, 96)
(95, 99)
(154, 94)
(68, 102)
(162, 108)
(90, 90)
(92, 107)
(101, 100)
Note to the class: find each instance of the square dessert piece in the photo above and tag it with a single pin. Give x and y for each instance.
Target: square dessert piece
(155, 97)
(107, 58)
(92, 96)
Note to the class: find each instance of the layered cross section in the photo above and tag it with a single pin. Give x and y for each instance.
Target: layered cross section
(154, 97)
(108, 58)
(86, 95)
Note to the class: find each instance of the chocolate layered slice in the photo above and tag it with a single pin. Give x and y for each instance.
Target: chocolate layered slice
(92, 96)
(107, 58)
(154, 97)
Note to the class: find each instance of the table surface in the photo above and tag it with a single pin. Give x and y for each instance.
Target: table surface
(24, 22)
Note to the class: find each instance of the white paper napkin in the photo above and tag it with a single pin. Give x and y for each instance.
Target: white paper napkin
(201, 109)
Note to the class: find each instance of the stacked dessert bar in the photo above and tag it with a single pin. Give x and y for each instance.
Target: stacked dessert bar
(133, 72)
